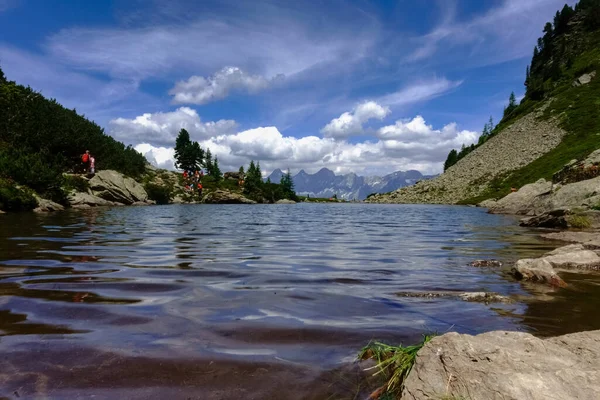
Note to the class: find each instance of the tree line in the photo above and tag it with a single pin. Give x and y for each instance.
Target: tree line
(190, 156)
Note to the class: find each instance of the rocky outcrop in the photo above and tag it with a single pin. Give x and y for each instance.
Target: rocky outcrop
(115, 187)
(544, 197)
(516, 146)
(575, 257)
(522, 202)
(553, 219)
(226, 197)
(506, 366)
(285, 201)
(45, 205)
(584, 79)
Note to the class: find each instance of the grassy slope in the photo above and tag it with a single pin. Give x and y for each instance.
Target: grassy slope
(578, 113)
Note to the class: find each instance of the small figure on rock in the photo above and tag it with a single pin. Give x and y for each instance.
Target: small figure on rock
(85, 160)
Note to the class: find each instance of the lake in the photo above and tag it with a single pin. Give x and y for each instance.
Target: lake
(264, 301)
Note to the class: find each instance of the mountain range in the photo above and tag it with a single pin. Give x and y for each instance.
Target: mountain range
(325, 183)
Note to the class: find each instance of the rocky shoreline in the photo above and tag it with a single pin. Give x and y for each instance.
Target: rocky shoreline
(514, 365)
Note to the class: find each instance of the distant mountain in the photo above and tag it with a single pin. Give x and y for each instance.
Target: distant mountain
(325, 183)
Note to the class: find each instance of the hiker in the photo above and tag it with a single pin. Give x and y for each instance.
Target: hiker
(92, 169)
(200, 189)
(85, 160)
(197, 176)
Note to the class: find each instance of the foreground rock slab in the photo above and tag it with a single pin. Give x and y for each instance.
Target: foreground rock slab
(507, 366)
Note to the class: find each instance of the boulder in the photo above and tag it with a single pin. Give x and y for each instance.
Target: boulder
(114, 186)
(573, 256)
(524, 200)
(226, 197)
(552, 219)
(79, 199)
(584, 79)
(503, 365)
(45, 205)
(537, 270)
(285, 201)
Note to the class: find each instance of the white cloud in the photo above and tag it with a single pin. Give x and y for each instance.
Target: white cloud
(419, 141)
(418, 92)
(200, 90)
(408, 144)
(351, 123)
(162, 128)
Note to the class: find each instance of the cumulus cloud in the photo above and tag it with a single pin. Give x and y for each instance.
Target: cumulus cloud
(420, 141)
(161, 129)
(200, 90)
(351, 123)
(407, 144)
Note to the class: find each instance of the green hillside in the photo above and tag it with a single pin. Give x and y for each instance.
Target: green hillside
(569, 49)
(40, 139)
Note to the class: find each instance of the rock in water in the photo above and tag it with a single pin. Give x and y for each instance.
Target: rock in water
(507, 366)
(226, 197)
(113, 186)
(537, 270)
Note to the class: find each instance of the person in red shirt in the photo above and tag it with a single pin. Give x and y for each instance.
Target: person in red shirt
(85, 160)
(200, 189)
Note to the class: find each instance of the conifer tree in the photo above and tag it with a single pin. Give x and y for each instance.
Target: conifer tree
(216, 171)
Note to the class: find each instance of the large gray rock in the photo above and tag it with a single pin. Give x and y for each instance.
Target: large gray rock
(551, 219)
(537, 270)
(523, 201)
(114, 186)
(226, 197)
(507, 366)
(85, 200)
(584, 79)
(574, 256)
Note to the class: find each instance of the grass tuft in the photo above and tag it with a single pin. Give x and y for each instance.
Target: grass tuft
(579, 221)
(394, 363)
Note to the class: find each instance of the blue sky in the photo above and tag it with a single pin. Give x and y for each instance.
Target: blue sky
(353, 85)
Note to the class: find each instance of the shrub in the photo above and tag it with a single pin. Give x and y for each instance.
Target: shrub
(160, 194)
(77, 183)
(13, 198)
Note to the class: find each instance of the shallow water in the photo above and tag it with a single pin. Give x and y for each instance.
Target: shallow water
(204, 301)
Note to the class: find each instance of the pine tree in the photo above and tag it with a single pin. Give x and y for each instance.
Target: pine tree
(216, 171)
(512, 104)
(287, 185)
(188, 154)
(451, 159)
(208, 162)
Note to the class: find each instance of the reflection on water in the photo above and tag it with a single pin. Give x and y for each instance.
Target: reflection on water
(290, 290)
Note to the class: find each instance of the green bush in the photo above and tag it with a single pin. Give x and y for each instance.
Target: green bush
(160, 194)
(75, 182)
(13, 198)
